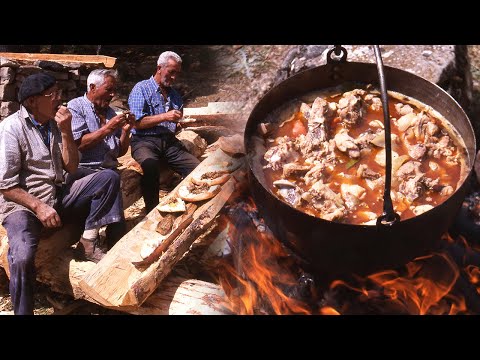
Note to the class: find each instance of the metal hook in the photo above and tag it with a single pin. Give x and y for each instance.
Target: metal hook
(340, 53)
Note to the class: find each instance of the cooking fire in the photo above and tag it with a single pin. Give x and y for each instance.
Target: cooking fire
(262, 276)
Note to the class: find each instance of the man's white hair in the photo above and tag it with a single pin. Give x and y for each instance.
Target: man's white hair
(166, 55)
(99, 76)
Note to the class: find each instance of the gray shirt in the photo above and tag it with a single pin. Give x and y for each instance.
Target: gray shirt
(27, 162)
(84, 121)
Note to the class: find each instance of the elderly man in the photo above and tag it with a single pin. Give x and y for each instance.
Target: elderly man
(37, 147)
(101, 134)
(157, 109)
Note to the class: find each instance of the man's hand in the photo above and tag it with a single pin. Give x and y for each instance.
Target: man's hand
(173, 115)
(117, 122)
(48, 216)
(63, 117)
(129, 121)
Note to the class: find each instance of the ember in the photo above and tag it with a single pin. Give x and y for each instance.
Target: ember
(262, 276)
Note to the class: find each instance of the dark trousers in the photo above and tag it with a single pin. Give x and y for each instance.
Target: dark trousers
(156, 154)
(115, 230)
(94, 199)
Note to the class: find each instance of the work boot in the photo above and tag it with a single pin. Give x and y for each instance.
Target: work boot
(89, 250)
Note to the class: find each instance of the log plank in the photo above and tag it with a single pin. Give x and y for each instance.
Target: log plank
(116, 282)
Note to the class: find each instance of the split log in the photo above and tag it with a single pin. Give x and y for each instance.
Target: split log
(213, 111)
(154, 274)
(212, 133)
(175, 228)
(180, 296)
(116, 282)
(176, 295)
(51, 246)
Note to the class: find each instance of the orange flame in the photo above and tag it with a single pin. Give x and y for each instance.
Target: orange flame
(261, 272)
(262, 269)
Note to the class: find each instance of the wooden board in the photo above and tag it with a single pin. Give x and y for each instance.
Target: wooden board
(108, 61)
(116, 282)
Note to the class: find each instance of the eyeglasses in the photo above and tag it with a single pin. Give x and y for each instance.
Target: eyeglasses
(55, 94)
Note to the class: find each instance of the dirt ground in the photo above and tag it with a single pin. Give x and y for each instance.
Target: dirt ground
(210, 73)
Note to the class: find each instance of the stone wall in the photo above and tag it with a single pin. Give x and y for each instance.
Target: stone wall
(72, 79)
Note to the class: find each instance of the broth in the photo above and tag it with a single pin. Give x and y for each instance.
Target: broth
(324, 156)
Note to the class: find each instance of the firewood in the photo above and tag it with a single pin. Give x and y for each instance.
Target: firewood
(151, 278)
(177, 226)
(176, 295)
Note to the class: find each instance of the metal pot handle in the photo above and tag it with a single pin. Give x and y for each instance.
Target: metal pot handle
(389, 216)
(340, 55)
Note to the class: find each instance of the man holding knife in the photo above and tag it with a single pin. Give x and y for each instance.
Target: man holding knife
(100, 134)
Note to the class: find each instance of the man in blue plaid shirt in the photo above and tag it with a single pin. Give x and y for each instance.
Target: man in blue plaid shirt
(157, 108)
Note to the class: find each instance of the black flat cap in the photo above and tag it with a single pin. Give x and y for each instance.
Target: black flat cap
(34, 85)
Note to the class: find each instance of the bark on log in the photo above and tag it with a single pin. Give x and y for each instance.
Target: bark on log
(180, 296)
(116, 282)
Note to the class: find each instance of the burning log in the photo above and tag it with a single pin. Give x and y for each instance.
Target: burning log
(116, 282)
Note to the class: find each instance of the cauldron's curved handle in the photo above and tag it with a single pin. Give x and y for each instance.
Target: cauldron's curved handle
(340, 53)
(389, 216)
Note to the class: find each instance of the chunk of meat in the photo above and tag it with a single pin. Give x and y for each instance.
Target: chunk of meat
(409, 169)
(412, 188)
(403, 109)
(374, 101)
(315, 174)
(295, 170)
(417, 151)
(351, 108)
(289, 191)
(345, 143)
(352, 194)
(328, 203)
(279, 155)
(365, 173)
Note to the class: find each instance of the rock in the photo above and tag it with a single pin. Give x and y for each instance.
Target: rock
(7, 108)
(50, 65)
(7, 75)
(8, 62)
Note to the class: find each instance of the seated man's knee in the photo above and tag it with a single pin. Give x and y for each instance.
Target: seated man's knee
(150, 166)
(22, 255)
(110, 176)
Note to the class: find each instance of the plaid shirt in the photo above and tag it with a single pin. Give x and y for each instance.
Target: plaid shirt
(84, 121)
(146, 99)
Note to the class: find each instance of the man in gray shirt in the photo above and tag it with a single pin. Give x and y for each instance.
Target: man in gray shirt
(101, 135)
(37, 147)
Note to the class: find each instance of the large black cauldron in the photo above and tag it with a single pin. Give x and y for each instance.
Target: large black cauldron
(333, 249)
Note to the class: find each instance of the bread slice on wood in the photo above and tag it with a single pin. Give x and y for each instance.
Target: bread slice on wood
(211, 178)
(174, 205)
(193, 193)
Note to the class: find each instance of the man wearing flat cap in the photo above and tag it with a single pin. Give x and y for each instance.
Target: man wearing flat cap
(37, 147)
